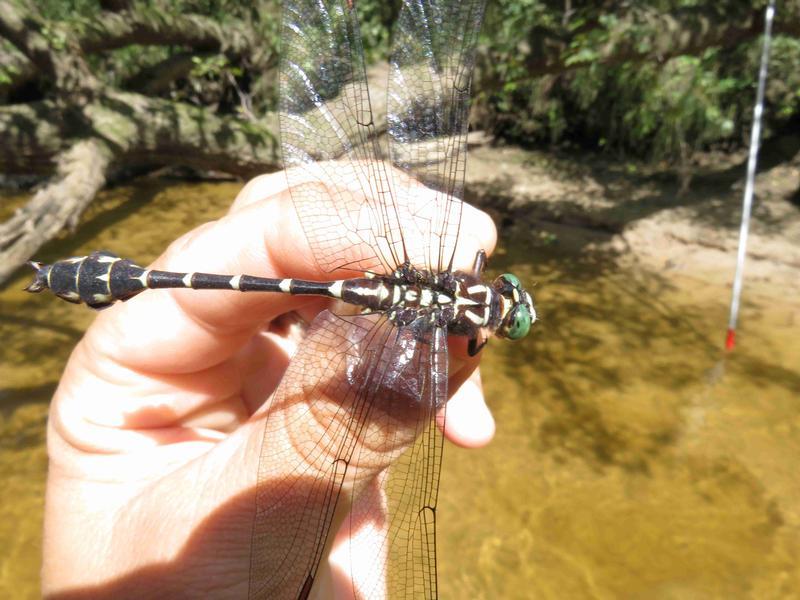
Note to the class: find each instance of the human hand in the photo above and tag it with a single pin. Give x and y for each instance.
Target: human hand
(154, 434)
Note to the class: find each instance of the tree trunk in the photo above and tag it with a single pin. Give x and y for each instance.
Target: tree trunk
(88, 127)
(81, 173)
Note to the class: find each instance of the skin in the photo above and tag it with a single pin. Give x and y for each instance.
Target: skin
(154, 431)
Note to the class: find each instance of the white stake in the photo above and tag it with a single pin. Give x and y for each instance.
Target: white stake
(747, 203)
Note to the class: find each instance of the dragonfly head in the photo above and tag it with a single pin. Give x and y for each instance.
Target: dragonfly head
(518, 313)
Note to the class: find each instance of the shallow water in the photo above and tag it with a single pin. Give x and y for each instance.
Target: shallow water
(632, 459)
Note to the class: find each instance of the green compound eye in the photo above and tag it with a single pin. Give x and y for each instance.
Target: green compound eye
(519, 323)
(512, 279)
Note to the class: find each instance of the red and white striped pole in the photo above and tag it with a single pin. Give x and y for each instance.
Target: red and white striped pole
(747, 203)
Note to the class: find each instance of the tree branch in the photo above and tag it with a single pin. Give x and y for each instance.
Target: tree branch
(174, 133)
(140, 130)
(80, 175)
(127, 129)
(155, 79)
(647, 35)
(145, 26)
(32, 137)
(15, 26)
(15, 70)
(109, 31)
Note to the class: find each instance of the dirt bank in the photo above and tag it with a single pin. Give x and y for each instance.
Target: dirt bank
(636, 213)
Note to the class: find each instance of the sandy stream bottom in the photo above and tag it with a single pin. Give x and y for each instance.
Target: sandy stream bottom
(632, 459)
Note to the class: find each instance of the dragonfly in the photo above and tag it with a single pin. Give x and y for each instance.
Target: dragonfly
(373, 368)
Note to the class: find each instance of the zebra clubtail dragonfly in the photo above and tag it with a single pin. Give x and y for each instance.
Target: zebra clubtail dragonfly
(384, 375)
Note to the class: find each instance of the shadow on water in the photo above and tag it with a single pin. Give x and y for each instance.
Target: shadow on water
(109, 209)
(592, 314)
(13, 398)
(38, 335)
(632, 457)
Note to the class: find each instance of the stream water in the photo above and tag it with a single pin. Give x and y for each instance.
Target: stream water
(632, 458)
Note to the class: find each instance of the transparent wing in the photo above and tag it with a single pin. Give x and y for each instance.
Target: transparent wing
(404, 562)
(354, 398)
(339, 186)
(428, 115)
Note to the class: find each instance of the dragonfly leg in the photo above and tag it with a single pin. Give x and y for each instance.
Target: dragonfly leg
(480, 263)
(473, 347)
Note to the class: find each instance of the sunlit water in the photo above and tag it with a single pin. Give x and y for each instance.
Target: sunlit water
(631, 459)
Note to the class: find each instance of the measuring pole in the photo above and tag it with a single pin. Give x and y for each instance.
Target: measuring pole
(747, 203)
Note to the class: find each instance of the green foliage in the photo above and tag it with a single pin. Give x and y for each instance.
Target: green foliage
(667, 110)
(664, 109)
(55, 36)
(782, 95)
(7, 71)
(213, 67)
(66, 10)
(375, 19)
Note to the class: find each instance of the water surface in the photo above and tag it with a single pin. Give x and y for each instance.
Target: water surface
(632, 460)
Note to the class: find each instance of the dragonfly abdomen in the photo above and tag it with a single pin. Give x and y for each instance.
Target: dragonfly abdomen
(102, 278)
(97, 280)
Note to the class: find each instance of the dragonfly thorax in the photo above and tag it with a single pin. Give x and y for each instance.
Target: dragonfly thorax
(456, 300)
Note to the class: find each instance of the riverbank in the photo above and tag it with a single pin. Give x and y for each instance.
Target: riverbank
(636, 214)
(633, 213)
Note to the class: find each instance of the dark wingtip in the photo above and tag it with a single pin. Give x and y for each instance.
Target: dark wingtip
(39, 282)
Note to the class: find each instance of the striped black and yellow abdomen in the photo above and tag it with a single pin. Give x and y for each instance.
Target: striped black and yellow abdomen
(101, 278)
(98, 280)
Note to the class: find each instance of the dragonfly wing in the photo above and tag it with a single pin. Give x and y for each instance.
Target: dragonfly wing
(402, 564)
(353, 399)
(428, 116)
(338, 184)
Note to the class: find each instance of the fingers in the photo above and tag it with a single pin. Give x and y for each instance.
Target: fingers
(166, 353)
(152, 332)
(469, 423)
(358, 557)
(262, 235)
